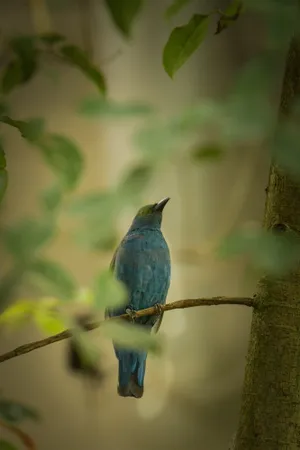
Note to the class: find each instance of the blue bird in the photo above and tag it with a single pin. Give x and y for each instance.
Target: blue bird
(142, 263)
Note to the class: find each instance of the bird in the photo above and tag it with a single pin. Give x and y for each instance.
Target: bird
(142, 263)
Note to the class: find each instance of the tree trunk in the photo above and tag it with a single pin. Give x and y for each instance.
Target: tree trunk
(270, 411)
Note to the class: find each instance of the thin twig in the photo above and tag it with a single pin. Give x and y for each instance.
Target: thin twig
(179, 304)
(24, 437)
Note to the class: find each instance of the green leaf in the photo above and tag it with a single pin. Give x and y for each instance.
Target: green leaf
(78, 58)
(175, 7)
(18, 312)
(48, 322)
(12, 76)
(285, 148)
(4, 108)
(123, 13)
(51, 277)
(15, 412)
(183, 42)
(232, 13)
(207, 152)
(135, 181)
(100, 107)
(3, 183)
(52, 38)
(5, 445)
(98, 235)
(94, 204)
(27, 237)
(32, 129)
(108, 291)
(22, 68)
(2, 157)
(272, 253)
(131, 336)
(64, 158)
(51, 198)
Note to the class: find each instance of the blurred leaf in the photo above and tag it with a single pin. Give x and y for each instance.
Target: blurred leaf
(18, 312)
(272, 253)
(80, 59)
(183, 42)
(252, 88)
(25, 238)
(136, 180)
(23, 67)
(5, 445)
(175, 7)
(94, 204)
(98, 235)
(52, 38)
(3, 178)
(84, 296)
(207, 152)
(64, 158)
(285, 148)
(4, 108)
(8, 284)
(48, 322)
(51, 277)
(15, 413)
(123, 13)
(104, 108)
(88, 352)
(12, 76)
(51, 198)
(131, 336)
(108, 291)
(2, 157)
(233, 12)
(31, 129)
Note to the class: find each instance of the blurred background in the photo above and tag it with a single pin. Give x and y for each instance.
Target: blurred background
(192, 392)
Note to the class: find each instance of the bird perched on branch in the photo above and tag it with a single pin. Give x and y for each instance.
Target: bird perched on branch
(142, 263)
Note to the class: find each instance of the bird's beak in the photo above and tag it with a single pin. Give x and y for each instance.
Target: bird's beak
(160, 205)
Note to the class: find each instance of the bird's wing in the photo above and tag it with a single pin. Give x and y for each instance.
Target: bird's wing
(145, 272)
(112, 268)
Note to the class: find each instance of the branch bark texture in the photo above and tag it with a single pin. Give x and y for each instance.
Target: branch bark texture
(270, 411)
(179, 304)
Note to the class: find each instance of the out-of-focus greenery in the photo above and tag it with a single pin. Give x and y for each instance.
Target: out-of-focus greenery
(244, 116)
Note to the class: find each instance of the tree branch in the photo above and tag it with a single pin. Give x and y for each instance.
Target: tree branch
(180, 304)
(24, 437)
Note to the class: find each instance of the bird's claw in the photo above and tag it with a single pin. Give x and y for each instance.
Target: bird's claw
(131, 313)
(159, 309)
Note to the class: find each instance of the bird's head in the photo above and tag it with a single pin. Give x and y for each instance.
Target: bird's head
(150, 215)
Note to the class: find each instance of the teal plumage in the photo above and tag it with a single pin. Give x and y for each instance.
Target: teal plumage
(142, 263)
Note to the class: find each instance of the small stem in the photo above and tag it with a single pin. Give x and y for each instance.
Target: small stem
(179, 304)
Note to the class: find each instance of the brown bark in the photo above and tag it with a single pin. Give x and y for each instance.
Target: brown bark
(270, 411)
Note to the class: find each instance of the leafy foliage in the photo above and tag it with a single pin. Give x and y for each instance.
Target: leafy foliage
(175, 7)
(99, 107)
(14, 412)
(183, 42)
(27, 237)
(270, 252)
(108, 291)
(231, 14)
(123, 13)
(52, 278)
(79, 59)
(131, 336)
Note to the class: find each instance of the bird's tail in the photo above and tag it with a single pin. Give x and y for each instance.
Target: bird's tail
(132, 366)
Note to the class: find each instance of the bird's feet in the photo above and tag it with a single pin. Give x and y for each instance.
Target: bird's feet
(159, 309)
(131, 313)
